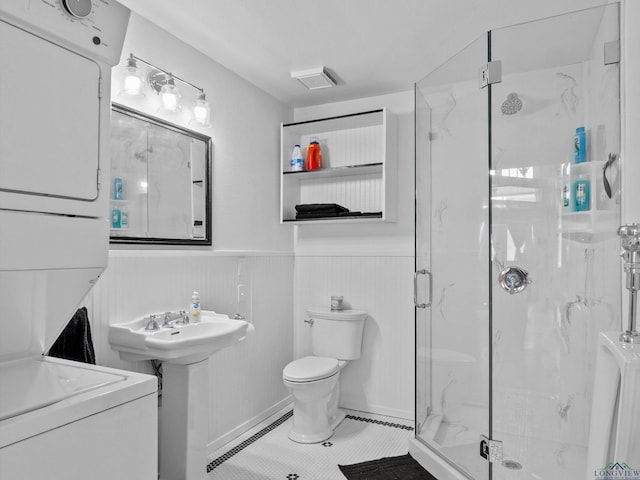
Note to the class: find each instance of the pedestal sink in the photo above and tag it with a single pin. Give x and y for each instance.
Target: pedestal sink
(184, 351)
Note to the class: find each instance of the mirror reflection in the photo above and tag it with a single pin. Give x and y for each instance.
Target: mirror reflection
(160, 189)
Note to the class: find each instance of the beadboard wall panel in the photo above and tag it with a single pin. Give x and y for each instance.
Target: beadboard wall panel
(245, 380)
(382, 380)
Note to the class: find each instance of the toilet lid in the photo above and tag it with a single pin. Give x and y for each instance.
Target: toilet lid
(308, 369)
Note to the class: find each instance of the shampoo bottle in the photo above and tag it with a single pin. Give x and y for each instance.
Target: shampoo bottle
(580, 146)
(194, 309)
(581, 195)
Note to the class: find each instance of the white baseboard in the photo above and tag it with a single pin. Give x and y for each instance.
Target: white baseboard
(249, 424)
(381, 410)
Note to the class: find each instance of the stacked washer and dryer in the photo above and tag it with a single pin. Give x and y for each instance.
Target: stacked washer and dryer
(60, 419)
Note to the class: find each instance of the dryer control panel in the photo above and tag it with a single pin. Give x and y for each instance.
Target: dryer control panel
(95, 28)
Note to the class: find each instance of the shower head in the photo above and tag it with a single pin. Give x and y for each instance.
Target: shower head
(511, 105)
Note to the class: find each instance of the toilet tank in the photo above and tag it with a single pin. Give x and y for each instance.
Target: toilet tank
(336, 333)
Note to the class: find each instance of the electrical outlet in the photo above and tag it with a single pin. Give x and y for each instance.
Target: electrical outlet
(242, 293)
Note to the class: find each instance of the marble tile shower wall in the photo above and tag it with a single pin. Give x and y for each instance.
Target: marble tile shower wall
(245, 380)
(544, 338)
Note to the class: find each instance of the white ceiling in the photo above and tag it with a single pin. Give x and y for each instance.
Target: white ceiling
(371, 47)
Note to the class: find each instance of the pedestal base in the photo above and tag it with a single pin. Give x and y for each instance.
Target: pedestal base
(184, 421)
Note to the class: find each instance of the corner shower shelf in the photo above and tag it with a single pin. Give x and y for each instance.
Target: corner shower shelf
(602, 220)
(359, 156)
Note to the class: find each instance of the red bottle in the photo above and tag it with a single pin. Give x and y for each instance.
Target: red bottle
(314, 156)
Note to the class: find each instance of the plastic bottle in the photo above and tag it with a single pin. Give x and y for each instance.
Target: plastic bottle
(116, 218)
(566, 197)
(194, 309)
(314, 155)
(580, 146)
(567, 189)
(124, 218)
(297, 163)
(117, 189)
(582, 195)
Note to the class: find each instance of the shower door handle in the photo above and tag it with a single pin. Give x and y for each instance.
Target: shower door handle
(415, 288)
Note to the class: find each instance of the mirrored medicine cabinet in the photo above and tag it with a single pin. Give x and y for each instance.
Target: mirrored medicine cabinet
(160, 181)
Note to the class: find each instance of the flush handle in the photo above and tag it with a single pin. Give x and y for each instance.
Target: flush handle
(514, 279)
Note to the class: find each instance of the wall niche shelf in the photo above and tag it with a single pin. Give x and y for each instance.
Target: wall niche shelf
(359, 168)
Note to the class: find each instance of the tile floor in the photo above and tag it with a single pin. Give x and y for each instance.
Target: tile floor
(267, 453)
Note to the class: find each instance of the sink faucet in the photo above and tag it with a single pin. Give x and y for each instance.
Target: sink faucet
(168, 317)
(183, 318)
(171, 319)
(152, 324)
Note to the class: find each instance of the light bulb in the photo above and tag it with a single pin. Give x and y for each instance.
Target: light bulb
(170, 96)
(132, 79)
(202, 111)
(132, 83)
(170, 101)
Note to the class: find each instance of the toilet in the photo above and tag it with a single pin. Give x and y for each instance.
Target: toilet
(336, 338)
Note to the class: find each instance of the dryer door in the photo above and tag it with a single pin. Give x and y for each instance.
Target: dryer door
(49, 121)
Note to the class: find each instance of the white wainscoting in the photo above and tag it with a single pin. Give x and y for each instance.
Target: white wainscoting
(246, 380)
(382, 380)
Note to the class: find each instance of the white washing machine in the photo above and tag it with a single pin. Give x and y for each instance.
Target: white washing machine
(60, 420)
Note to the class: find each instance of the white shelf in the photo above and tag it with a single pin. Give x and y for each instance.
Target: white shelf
(359, 167)
(344, 171)
(602, 219)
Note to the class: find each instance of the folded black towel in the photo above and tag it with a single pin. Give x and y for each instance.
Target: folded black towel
(74, 343)
(324, 207)
(317, 214)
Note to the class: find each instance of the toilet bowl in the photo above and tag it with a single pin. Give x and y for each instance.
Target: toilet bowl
(314, 380)
(314, 386)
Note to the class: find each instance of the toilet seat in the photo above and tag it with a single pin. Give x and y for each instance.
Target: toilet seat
(309, 369)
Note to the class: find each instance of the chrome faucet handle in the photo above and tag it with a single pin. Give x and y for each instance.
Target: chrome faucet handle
(152, 324)
(167, 319)
(183, 318)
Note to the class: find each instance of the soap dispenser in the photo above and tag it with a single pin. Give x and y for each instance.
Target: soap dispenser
(194, 309)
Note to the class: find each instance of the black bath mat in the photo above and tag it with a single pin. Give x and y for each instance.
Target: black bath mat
(403, 467)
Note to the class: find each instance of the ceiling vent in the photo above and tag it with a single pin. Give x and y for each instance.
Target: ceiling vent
(314, 78)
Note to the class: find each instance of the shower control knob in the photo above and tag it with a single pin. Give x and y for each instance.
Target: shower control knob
(514, 279)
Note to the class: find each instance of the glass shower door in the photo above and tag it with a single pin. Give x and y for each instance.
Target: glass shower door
(452, 261)
(554, 207)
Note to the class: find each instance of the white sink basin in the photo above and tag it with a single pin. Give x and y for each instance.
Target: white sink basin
(179, 344)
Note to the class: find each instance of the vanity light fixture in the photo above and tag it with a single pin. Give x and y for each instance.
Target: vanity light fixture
(164, 84)
(314, 78)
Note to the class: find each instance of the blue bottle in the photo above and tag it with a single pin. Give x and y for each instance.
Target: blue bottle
(117, 188)
(116, 219)
(580, 146)
(581, 195)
